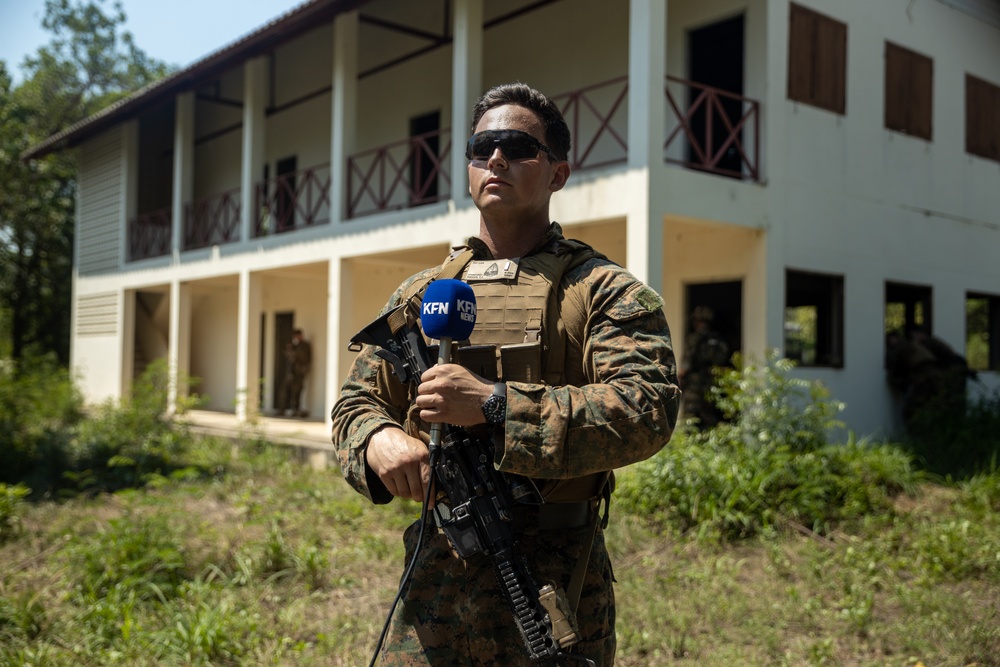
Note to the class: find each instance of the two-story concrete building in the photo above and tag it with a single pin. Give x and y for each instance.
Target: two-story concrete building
(817, 171)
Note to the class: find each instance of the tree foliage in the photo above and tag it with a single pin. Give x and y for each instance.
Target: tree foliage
(89, 63)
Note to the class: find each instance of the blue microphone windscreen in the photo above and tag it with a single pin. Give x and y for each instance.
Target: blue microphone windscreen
(448, 309)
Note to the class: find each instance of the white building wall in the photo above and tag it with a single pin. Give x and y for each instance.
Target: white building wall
(874, 205)
(213, 344)
(840, 194)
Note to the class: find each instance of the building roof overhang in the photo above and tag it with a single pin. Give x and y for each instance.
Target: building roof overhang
(289, 25)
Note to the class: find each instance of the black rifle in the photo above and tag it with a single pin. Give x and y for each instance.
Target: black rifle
(477, 514)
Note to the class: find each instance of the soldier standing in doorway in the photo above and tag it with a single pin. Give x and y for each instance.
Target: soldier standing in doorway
(298, 357)
(704, 352)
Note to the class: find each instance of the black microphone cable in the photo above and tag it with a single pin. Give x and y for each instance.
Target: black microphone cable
(404, 582)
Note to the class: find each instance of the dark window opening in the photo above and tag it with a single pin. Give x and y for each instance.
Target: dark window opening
(814, 318)
(907, 307)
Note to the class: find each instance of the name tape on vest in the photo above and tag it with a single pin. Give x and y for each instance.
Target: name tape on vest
(492, 270)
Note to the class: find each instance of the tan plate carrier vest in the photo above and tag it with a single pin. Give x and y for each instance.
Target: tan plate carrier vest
(521, 327)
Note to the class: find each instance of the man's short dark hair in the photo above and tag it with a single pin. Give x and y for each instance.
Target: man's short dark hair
(557, 136)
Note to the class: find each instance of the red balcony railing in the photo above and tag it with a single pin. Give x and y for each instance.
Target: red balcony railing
(598, 122)
(714, 124)
(293, 201)
(400, 175)
(149, 235)
(212, 220)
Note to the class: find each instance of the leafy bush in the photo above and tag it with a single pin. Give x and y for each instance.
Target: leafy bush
(126, 443)
(11, 498)
(39, 407)
(953, 443)
(982, 491)
(770, 463)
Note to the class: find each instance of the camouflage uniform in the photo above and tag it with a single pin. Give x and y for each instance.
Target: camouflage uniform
(619, 405)
(928, 375)
(298, 357)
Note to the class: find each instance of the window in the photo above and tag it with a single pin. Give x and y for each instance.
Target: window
(814, 318)
(908, 91)
(982, 331)
(817, 60)
(982, 118)
(907, 307)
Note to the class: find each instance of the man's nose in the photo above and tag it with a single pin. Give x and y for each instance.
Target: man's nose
(496, 156)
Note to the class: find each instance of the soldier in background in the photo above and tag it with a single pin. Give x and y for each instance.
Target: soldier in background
(298, 357)
(926, 373)
(705, 351)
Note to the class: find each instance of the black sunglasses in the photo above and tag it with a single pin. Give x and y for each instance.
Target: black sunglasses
(514, 144)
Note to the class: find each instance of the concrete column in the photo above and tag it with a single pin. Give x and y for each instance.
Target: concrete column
(646, 123)
(248, 346)
(467, 86)
(179, 343)
(336, 337)
(344, 112)
(254, 105)
(183, 169)
(126, 325)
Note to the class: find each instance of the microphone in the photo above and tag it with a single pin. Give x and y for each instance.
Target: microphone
(447, 313)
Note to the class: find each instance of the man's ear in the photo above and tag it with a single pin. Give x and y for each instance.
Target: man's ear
(559, 176)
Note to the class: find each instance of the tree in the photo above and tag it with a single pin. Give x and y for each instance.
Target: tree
(89, 63)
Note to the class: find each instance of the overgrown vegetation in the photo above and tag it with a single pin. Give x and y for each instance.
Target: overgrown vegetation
(48, 445)
(955, 444)
(772, 463)
(764, 542)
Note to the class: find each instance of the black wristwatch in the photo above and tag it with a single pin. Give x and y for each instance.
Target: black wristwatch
(495, 407)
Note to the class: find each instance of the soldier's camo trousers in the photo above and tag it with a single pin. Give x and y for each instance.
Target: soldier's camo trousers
(455, 615)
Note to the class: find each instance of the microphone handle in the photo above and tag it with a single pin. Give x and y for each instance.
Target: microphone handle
(444, 357)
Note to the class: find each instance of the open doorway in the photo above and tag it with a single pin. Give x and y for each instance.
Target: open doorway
(284, 323)
(715, 57)
(425, 164)
(285, 196)
(725, 301)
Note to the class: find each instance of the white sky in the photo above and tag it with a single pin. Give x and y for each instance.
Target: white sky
(176, 31)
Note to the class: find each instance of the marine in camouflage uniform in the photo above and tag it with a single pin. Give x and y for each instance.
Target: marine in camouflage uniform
(704, 353)
(927, 374)
(615, 402)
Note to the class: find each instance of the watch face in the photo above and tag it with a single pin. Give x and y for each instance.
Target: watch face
(495, 409)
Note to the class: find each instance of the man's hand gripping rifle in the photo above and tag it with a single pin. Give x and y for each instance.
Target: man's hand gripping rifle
(474, 504)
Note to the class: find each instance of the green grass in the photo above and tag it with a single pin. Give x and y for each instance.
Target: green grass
(268, 562)
(765, 541)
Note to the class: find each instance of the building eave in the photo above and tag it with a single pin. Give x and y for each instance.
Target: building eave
(289, 25)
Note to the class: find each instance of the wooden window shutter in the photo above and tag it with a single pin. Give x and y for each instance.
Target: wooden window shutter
(982, 118)
(817, 59)
(800, 71)
(909, 91)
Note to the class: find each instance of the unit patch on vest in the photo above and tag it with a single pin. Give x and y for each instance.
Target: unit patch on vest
(492, 270)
